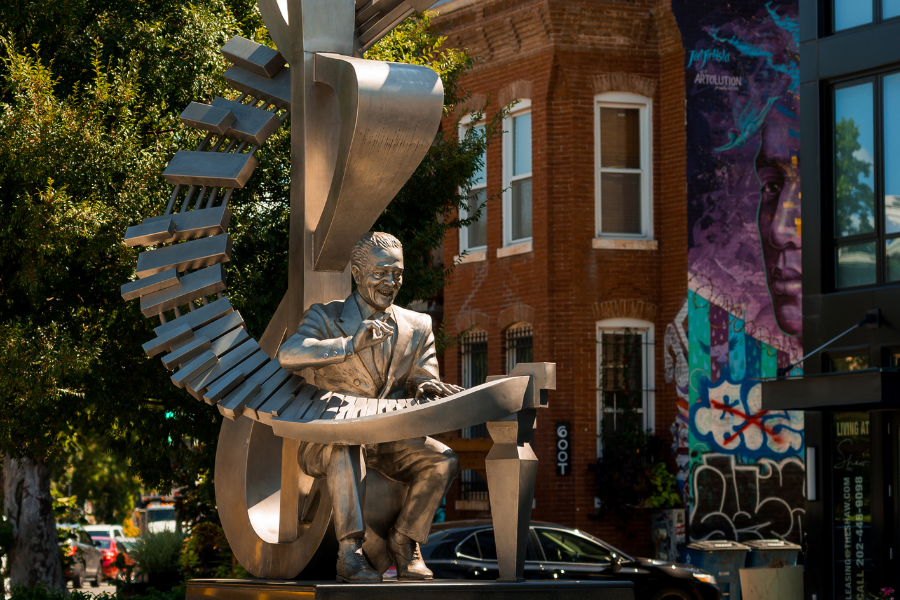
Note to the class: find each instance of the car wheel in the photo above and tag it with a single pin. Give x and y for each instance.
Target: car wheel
(77, 580)
(672, 594)
(98, 578)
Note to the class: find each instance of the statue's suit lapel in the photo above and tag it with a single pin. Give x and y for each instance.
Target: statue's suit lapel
(349, 323)
(400, 357)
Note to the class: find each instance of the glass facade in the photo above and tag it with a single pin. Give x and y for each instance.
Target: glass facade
(852, 13)
(866, 181)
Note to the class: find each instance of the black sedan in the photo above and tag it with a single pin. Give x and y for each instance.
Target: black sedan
(466, 550)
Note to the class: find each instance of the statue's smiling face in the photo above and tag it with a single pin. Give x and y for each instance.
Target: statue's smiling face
(379, 280)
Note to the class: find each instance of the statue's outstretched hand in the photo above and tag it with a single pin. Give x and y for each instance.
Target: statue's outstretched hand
(437, 388)
(370, 333)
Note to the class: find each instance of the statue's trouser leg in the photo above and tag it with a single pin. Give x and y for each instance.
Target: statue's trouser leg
(428, 467)
(344, 471)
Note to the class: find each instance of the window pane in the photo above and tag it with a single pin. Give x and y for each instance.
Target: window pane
(850, 13)
(620, 203)
(620, 138)
(519, 345)
(481, 174)
(854, 152)
(892, 260)
(469, 548)
(892, 153)
(561, 546)
(842, 364)
(522, 144)
(521, 209)
(891, 8)
(621, 362)
(856, 265)
(487, 544)
(476, 233)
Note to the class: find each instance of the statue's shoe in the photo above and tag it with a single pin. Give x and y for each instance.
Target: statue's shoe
(408, 560)
(352, 567)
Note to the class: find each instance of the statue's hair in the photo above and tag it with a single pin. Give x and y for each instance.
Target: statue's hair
(359, 255)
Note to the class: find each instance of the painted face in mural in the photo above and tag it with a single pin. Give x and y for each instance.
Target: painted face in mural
(778, 218)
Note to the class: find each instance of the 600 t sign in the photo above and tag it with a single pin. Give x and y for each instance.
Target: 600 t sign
(563, 447)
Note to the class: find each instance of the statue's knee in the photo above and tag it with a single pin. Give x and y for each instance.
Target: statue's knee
(448, 467)
(453, 465)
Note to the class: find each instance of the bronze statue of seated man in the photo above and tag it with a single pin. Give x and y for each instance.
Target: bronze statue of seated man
(366, 346)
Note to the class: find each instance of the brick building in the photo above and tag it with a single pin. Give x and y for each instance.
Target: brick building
(589, 240)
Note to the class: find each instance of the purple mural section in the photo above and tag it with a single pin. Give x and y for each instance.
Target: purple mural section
(741, 467)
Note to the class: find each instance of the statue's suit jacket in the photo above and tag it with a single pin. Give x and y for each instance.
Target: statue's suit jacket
(321, 342)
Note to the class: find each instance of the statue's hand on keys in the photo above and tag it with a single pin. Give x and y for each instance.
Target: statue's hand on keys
(437, 388)
(370, 333)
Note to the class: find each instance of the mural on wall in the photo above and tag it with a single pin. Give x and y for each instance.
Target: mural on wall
(741, 467)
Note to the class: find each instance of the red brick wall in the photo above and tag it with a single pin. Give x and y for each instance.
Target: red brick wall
(565, 49)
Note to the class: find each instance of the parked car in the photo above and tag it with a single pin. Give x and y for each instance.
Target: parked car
(109, 549)
(466, 550)
(111, 531)
(86, 557)
(125, 548)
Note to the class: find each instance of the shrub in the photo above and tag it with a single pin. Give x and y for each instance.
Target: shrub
(206, 552)
(159, 556)
(21, 592)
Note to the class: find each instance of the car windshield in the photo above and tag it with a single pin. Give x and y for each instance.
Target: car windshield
(102, 543)
(562, 546)
(164, 514)
(99, 533)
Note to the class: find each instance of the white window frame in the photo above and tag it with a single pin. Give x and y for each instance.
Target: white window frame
(522, 107)
(645, 106)
(648, 334)
(464, 125)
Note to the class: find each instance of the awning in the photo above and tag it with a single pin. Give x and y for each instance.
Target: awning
(832, 390)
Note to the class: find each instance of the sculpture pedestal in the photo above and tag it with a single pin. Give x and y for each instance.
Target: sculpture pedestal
(257, 589)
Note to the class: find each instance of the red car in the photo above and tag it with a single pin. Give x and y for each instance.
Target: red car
(111, 548)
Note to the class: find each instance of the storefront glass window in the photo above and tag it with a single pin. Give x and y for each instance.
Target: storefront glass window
(851, 494)
(842, 364)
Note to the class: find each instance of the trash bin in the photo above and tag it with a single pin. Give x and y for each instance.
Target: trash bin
(722, 558)
(771, 553)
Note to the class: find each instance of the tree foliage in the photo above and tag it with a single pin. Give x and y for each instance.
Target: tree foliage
(90, 95)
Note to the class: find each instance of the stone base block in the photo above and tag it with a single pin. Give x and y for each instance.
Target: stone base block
(262, 589)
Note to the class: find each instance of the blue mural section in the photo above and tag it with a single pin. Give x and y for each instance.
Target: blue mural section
(741, 466)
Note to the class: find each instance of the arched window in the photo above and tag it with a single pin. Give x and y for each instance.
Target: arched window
(625, 378)
(474, 363)
(519, 342)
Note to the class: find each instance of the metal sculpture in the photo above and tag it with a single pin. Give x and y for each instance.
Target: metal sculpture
(359, 130)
